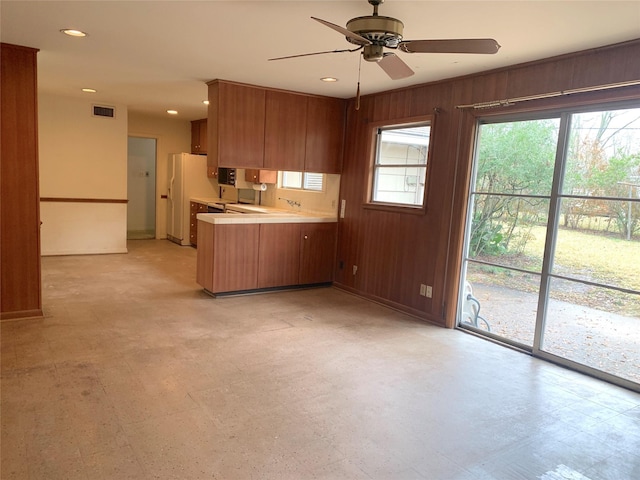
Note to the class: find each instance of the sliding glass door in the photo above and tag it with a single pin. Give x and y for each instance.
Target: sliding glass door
(552, 250)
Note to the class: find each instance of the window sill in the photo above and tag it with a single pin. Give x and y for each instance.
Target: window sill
(395, 208)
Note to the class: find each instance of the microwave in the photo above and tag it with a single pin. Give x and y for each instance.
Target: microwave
(227, 176)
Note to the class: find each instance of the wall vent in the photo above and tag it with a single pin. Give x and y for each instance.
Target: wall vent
(104, 111)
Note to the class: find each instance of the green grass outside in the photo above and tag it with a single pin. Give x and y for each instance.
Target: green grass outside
(596, 257)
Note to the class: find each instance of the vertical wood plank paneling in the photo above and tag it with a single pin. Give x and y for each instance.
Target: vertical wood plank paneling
(20, 210)
(489, 87)
(605, 66)
(397, 252)
(545, 77)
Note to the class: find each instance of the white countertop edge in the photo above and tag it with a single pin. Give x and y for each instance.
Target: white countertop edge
(248, 218)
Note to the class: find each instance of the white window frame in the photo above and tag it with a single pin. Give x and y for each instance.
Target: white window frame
(306, 180)
(376, 129)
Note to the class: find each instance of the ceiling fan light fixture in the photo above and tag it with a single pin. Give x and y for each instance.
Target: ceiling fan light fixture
(373, 53)
(72, 32)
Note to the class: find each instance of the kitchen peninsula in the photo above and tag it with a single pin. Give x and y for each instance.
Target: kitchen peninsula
(262, 248)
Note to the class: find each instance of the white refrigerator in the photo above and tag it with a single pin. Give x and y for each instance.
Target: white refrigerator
(187, 178)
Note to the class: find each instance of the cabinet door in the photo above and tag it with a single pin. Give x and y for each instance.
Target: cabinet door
(240, 125)
(325, 135)
(279, 258)
(235, 262)
(252, 175)
(199, 136)
(195, 137)
(227, 258)
(196, 208)
(202, 136)
(317, 252)
(193, 224)
(285, 131)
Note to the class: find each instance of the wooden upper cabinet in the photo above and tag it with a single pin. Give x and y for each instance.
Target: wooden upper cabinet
(236, 125)
(325, 134)
(285, 131)
(253, 175)
(256, 128)
(199, 136)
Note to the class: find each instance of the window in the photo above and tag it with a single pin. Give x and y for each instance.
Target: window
(400, 164)
(302, 181)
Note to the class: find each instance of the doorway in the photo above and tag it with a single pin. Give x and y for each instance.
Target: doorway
(141, 188)
(552, 246)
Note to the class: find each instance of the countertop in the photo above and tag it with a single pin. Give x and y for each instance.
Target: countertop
(261, 214)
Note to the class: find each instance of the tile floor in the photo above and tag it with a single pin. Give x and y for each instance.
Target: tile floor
(135, 373)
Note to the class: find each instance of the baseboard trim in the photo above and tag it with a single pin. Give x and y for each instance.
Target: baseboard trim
(22, 314)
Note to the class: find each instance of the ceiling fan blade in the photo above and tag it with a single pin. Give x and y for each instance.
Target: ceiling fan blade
(347, 33)
(314, 53)
(395, 67)
(461, 45)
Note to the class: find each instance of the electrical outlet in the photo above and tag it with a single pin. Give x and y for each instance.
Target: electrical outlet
(355, 269)
(423, 289)
(429, 292)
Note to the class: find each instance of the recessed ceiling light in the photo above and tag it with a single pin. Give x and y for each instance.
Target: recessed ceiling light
(206, 102)
(89, 90)
(172, 112)
(73, 33)
(329, 79)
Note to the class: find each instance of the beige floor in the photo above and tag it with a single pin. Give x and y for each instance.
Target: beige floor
(135, 373)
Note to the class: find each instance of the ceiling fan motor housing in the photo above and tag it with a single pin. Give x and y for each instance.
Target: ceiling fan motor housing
(384, 31)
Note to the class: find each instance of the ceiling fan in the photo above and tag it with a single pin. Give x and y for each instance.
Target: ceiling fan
(373, 33)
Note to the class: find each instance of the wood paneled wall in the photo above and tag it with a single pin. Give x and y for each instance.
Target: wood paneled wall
(396, 252)
(20, 219)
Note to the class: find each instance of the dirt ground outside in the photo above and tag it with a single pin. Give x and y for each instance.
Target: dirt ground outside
(594, 337)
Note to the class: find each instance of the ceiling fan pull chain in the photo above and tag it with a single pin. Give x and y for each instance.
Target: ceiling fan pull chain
(358, 89)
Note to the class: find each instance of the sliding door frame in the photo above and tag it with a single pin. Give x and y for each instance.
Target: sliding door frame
(564, 113)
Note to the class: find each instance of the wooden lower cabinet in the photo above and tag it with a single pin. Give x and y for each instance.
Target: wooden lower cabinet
(227, 257)
(195, 209)
(241, 257)
(317, 252)
(279, 257)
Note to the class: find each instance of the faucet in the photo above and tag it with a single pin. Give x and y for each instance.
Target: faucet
(292, 203)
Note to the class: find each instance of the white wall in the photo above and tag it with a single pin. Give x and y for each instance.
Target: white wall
(82, 157)
(325, 201)
(173, 136)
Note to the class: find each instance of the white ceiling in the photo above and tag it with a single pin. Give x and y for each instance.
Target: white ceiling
(156, 55)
